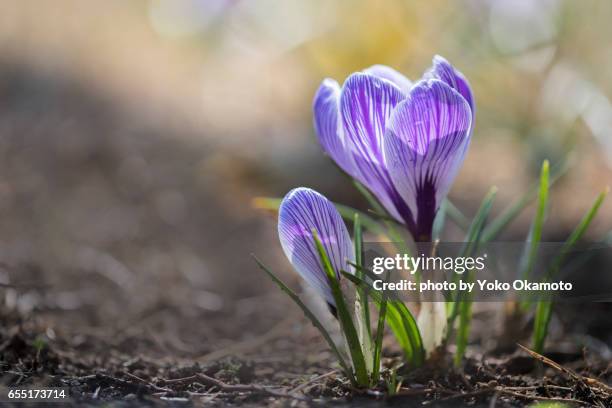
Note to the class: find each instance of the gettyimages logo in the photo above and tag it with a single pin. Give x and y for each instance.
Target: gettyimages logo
(412, 264)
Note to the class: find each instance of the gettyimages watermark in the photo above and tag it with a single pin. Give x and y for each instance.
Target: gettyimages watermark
(494, 272)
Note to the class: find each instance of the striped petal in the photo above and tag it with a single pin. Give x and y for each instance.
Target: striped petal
(301, 211)
(388, 73)
(443, 70)
(426, 140)
(366, 103)
(328, 126)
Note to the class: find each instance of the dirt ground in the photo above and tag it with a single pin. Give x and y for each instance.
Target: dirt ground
(286, 365)
(125, 275)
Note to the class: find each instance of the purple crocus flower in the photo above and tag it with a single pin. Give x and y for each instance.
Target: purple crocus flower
(301, 211)
(405, 142)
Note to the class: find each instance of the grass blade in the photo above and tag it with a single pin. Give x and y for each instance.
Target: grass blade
(311, 316)
(534, 237)
(462, 307)
(544, 306)
(513, 210)
(456, 215)
(344, 316)
(362, 308)
(474, 234)
(578, 232)
(394, 235)
(400, 321)
(439, 221)
(463, 331)
(535, 231)
(380, 328)
(540, 326)
(476, 231)
(376, 206)
(363, 297)
(409, 326)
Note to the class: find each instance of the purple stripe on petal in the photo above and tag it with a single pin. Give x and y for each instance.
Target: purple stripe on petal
(301, 211)
(388, 73)
(328, 126)
(444, 71)
(366, 103)
(426, 140)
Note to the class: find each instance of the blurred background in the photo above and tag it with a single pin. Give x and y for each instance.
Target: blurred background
(134, 136)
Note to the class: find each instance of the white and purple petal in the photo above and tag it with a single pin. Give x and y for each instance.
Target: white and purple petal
(388, 73)
(443, 70)
(366, 103)
(327, 124)
(301, 211)
(425, 143)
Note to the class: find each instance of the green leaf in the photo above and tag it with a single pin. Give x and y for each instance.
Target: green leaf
(311, 316)
(380, 328)
(578, 232)
(463, 332)
(456, 215)
(549, 405)
(534, 237)
(535, 231)
(438, 225)
(400, 321)
(272, 204)
(513, 210)
(394, 235)
(358, 238)
(344, 316)
(544, 306)
(462, 307)
(376, 206)
(540, 326)
(362, 308)
(391, 382)
(475, 232)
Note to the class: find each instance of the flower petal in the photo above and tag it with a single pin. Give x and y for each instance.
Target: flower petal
(328, 126)
(445, 72)
(426, 140)
(388, 73)
(301, 211)
(366, 103)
